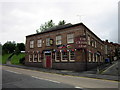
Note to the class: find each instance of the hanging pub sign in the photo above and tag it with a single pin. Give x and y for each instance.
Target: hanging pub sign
(80, 42)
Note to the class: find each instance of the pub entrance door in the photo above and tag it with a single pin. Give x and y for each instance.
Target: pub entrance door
(48, 59)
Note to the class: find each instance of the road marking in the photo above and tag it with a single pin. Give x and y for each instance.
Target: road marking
(63, 75)
(78, 87)
(46, 79)
(13, 72)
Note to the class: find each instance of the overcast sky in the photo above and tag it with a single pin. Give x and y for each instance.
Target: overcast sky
(20, 18)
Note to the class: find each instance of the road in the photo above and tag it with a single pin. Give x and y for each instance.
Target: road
(24, 78)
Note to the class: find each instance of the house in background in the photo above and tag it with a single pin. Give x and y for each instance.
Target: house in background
(71, 47)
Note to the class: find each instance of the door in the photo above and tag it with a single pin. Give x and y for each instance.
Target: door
(48, 61)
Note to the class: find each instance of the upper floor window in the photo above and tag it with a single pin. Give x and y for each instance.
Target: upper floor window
(58, 40)
(31, 44)
(95, 44)
(47, 41)
(39, 43)
(70, 38)
(92, 42)
(88, 40)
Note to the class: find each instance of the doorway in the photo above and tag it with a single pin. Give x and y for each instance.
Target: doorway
(48, 59)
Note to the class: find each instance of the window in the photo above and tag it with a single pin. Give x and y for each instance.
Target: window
(30, 58)
(88, 40)
(72, 56)
(39, 57)
(93, 58)
(95, 44)
(92, 43)
(70, 38)
(58, 40)
(64, 56)
(31, 44)
(47, 41)
(57, 56)
(39, 43)
(101, 46)
(35, 56)
(96, 58)
(89, 57)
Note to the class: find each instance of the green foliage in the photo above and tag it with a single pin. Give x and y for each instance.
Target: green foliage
(48, 25)
(16, 58)
(4, 58)
(8, 47)
(17, 51)
(21, 46)
(62, 22)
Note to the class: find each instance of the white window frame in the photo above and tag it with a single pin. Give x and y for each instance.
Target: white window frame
(70, 38)
(62, 57)
(39, 60)
(88, 40)
(47, 41)
(58, 40)
(39, 43)
(56, 57)
(32, 44)
(30, 57)
(70, 56)
(34, 58)
(89, 55)
(92, 43)
(96, 58)
(93, 58)
(95, 44)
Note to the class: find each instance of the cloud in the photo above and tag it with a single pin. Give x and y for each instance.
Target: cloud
(24, 17)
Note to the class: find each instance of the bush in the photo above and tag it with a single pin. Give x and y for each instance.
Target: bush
(22, 60)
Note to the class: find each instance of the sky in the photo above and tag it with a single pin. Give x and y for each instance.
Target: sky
(19, 18)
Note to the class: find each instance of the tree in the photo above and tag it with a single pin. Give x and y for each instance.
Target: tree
(8, 47)
(20, 46)
(45, 26)
(48, 25)
(62, 22)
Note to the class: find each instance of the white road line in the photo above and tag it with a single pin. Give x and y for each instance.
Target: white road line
(46, 79)
(13, 72)
(78, 87)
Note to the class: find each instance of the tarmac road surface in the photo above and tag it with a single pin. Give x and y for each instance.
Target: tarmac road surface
(24, 78)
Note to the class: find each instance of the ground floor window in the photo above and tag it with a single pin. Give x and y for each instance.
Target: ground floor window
(96, 58)
(39, 57)
(93, 58)
(72, 56)
(64, 56)
(89, 57)
(30, 58)
(35, 57)
(57, 56)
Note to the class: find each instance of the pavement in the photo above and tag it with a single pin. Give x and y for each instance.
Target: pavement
(86, 74)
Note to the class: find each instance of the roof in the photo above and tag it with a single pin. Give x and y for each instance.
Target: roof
(56, 28)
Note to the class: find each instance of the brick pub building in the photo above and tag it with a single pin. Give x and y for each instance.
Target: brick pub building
(70, 47)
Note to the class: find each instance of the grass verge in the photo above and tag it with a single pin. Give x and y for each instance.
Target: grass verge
(4, 58)
(15, 59)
